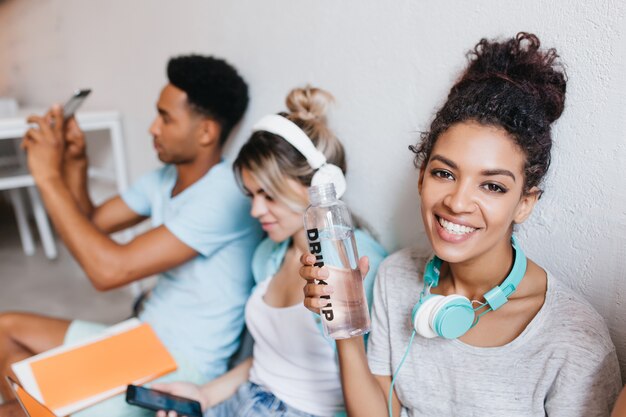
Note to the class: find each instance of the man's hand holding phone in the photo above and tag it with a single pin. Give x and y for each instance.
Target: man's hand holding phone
(44, 145)
(74, 137)
(56, 146)
(75, 148)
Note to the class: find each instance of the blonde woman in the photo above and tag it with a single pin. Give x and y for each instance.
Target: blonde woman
(291, 358)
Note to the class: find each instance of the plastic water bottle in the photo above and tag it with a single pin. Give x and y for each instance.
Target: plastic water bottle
(329, 229)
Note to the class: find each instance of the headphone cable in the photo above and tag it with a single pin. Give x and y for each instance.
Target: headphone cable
(395, 375)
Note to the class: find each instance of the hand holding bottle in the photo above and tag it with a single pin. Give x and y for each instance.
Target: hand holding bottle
(314, 291)
(329, 230)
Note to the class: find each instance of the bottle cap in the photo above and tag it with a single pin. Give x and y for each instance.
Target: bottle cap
(322, 193)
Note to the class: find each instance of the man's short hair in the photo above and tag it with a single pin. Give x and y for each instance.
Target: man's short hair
(214, 88)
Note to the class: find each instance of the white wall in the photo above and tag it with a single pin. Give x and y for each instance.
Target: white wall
(389, 65)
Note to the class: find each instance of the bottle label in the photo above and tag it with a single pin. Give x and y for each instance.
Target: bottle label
(315, 246)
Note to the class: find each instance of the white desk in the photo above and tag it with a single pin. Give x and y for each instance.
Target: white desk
(14, 177)
(15, 127)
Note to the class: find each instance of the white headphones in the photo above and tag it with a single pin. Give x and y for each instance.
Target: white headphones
(289, 131)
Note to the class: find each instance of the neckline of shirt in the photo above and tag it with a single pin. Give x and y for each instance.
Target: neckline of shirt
(532, 327)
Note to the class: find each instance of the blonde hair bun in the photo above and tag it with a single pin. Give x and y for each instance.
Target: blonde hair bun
(308, 103)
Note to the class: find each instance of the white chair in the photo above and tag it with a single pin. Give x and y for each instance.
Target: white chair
(14, 177)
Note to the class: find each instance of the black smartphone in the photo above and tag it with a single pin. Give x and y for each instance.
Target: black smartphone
(70, 107)
(157, 400)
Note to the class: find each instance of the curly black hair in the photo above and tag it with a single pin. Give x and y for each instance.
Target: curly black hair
(512, 85)
(214, 88)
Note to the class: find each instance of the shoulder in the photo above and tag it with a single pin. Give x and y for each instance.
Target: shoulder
(223, 171)
(575, 322)
(157, 176)
(402, 272)
(218, 193)
(575, 343)
(142, 194)
(407, 261)
(267, 258)
(398, 284)
(265, 249)
(221, 178)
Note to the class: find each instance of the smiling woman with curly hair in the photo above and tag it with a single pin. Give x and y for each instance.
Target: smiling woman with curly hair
(478, 328)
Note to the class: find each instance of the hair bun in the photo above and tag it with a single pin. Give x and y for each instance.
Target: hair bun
(519, 62)
(308, 103)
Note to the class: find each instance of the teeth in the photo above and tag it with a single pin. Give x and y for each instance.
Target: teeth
(454, 228)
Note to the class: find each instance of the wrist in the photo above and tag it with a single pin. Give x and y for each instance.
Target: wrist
(205, 396)
(75, 162)
(75, 170)
(352, 344)
(49, 180)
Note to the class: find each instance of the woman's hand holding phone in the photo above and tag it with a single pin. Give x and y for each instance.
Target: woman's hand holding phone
(181, 389)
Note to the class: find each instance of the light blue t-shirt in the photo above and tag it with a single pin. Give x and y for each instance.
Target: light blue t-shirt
(197, 308)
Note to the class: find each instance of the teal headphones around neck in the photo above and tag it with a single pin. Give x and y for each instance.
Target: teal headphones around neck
(453, 315)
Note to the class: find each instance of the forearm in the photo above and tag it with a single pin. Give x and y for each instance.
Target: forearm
(225, 386)
(76, 179)
(363, 394)
(99, 255)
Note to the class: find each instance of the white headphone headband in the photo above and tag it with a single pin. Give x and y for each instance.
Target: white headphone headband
(290, 131)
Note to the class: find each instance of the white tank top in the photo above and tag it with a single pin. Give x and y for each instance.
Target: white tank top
(292, 358)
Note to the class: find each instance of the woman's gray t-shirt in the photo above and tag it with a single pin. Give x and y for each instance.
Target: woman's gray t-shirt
(563, 364)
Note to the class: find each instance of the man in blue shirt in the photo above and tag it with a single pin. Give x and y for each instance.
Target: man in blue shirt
(202, 238)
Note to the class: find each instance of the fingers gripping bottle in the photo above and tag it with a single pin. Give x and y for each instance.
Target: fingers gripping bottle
(329, 229)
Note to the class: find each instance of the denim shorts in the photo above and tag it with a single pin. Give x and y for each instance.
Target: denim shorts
(252, 400)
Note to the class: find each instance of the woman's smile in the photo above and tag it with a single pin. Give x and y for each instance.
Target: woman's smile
(453, 231)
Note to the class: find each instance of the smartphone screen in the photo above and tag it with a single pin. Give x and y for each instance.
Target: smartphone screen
(70, 107)
(157, 400)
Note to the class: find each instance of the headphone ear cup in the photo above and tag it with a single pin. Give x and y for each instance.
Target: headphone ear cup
(452, 316)
(330, 173)
(421, 315)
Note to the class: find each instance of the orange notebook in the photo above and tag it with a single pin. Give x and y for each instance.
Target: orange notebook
(70, 378)
(30, 405)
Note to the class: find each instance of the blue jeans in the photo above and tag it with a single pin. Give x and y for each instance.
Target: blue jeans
(252, 400)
